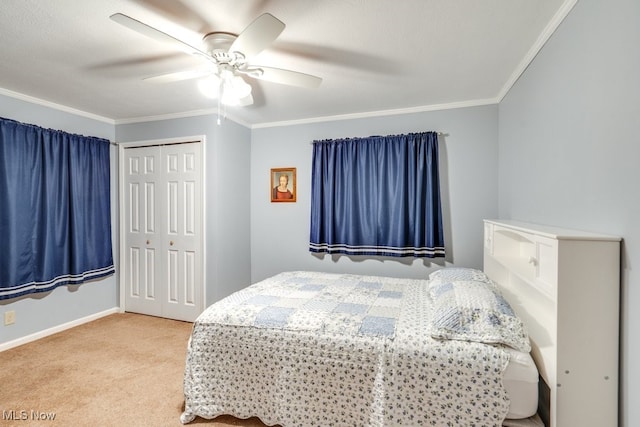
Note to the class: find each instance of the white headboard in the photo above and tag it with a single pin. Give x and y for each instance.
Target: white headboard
(565, 285)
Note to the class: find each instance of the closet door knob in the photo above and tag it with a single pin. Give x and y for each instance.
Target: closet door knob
(171, 243)
(148, 242)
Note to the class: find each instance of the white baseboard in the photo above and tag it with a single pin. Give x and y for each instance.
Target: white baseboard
(56, 329)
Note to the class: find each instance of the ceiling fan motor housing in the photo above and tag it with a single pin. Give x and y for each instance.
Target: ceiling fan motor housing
(218, 41)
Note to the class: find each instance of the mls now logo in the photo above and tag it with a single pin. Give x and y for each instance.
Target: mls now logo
(24, 415)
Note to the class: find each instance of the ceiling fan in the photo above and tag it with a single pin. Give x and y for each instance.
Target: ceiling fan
(229, 59)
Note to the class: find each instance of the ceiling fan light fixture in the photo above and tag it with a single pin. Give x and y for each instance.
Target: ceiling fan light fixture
(231, 89)
(235, 89)
(210, 86)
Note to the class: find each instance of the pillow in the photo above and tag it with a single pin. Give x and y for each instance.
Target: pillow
(471, 310)
(451, 274)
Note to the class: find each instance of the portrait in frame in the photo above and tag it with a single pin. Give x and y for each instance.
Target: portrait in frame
(283, 185)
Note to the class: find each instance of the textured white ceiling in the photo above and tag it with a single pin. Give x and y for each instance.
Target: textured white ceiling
(373, 55)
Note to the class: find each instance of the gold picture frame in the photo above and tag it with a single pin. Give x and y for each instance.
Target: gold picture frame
(283, 185)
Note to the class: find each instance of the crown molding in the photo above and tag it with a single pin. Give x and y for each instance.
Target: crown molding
(546, 34)
(55, 106)
(182, 115)
(380, 113)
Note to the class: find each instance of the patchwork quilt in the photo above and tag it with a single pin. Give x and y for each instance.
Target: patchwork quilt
(320, 349)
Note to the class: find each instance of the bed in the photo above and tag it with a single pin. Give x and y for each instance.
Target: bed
(309, 348)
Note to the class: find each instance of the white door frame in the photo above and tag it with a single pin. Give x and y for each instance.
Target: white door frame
(122, 214)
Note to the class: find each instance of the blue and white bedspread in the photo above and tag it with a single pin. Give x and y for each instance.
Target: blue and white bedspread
(318, 349)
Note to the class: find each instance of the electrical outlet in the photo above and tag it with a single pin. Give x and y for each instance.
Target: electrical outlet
(9, 317)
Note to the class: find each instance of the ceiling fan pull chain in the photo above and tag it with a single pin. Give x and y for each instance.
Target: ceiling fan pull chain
(220, 89)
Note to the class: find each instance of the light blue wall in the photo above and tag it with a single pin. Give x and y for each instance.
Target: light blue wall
(243, 226)
(569, 149)
(227, 212)
(228, 261)
(468, 162)
(35, 314)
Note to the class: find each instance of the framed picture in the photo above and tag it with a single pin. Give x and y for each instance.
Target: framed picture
(283, 185)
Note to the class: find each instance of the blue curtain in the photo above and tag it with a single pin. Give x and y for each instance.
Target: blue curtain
(55, 215)
(377, 196)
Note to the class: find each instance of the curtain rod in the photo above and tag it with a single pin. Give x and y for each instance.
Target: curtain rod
(371, 136)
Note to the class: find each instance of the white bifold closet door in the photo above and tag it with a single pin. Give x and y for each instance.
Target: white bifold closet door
(163, 250)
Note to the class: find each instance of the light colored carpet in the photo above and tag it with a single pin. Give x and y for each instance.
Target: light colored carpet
(120, 370)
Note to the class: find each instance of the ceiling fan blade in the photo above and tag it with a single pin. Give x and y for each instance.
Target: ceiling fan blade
(149, 31)
(258, 35)
(286, 77)
(178, 76)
